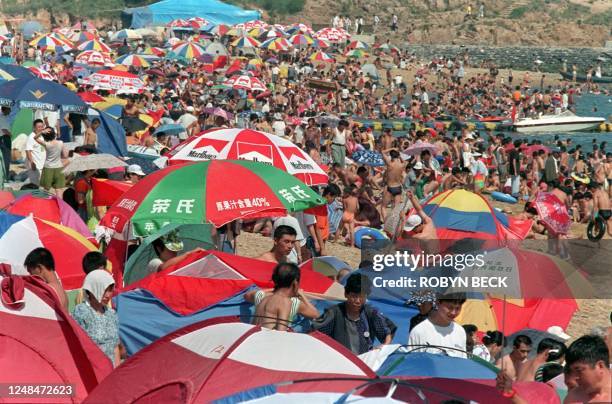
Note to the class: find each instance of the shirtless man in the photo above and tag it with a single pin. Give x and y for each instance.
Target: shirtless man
(419, 226)
(601, 204)
(39, 262)
(276, 309)
(608, 170)
(284, 239)
(512, 363)
(549, 351)
(312, 133)
(387, 139)
(588, 361)
(394, 177)
(91, 138)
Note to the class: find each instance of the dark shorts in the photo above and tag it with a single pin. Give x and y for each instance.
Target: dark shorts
(605, 214)
(394, 191)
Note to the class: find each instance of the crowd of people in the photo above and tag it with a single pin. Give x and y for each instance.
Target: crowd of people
(388, 195)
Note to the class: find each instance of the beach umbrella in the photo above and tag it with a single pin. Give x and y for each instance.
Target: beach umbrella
(4, 76)
(178, 23)
(50, 208)
(257, 32)
(424, 364)
(132, 60)
(128, 34)
(94, 45)
(106, 192)
(368, 157)
(40, 94)
(327, 265)
(188, 50)
(357, 45)
(220, 29)
(83, 36)
(275, 33)
(151, 50)
(216, 111)
(40, 73)
(170, 129)
(94, 58)
(217, 49)
(303, 28)
(321, 57)
(301, 40)
(200, 193)
(416, 149)
(198, 23)
(90, 97)
(115, 80)
(15, 72)
(370, 70)
(332, 34)
(276, 44)
(530, 149)
(30, 28)
(249, 25)
(19, 235)
(247, 144)
(99, 161)
(355, 53)
(245, 82)
(552, 212)
(49, 42)
(320, 44)
(246, 42)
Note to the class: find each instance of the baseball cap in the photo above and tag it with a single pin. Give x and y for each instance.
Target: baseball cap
(190, 109)
(418, 165)
(412, 222)
(558, 332)
(135, 169)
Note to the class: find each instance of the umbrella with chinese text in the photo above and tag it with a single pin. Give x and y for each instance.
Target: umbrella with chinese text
(201, 192)
(553, 213)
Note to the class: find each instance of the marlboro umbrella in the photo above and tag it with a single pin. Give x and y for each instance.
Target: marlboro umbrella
(553, 213)
(94, 58)
(201, 192)
(245, 82)
(115, 80)
(247, 144)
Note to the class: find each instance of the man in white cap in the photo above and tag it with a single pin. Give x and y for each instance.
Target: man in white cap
(188, 121)
(279, 125)
(134, 173)
(419, 226)
(557, 331)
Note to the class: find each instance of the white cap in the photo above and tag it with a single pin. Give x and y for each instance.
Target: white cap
(135, 169)
(278, 116)
(476, 154)
(412, 222)
(190, 108)
(418, 165)
(470, 135)
(558, 331)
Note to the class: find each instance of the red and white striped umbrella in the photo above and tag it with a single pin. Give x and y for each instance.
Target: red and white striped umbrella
(94, 58)
(249, 25)
(179, 23)
(247, 144)
(218, 357)
(43, 74)
(115, 80)
(245, 82)
(332, 34)
(198, 22)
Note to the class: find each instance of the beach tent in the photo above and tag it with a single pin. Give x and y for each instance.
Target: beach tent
(424, 364)
(41, 343)
(111, 135)
(216, 358)
(162, 12)
(206, 284)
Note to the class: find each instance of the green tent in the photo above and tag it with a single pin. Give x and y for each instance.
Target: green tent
(192, 236)
(22, 123)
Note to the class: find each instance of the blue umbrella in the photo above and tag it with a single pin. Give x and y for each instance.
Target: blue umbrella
(18, 72)
(425, 364)
(30, 28)
(368, 157)
(37, 93)
(170, 129)
(147, 165)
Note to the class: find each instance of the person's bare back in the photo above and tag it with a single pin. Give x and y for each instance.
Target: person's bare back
(273, 312)
(509, 366)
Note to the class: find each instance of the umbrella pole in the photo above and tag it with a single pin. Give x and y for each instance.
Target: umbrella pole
(503, 330)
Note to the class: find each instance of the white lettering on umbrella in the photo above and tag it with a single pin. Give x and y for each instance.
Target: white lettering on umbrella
(247, 203)
(149, 227)
(219, 205)
(161, 205)
(226, 205)
(185, 206)
(128, 204)
(301, 193)
(287, 195)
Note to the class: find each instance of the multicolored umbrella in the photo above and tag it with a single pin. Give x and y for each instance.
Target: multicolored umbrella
(178, 23)
(90, 97)
(275, 33)
(357, 45)
(49, 42)
(246, 42)
(19, 235)
(83, 36)
(249, 25)
(128, 34)
(247, 144)
(220, 29)
(49, 208)
(201, 192)
(320, 56)
(132, 60)
(332, 34)
(40, 73)
(553, 213)
(320, 44)
(94, 58)
(198, 23)
(115, 80)
(301, 40)
(356, 53)
(276, 44)
(95, 45)
(303, 28)
(151, 50)
(257, 32)
(187, 50)
(245, 82)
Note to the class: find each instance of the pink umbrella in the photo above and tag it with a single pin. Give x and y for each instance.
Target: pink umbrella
(553, 213)
(529, 150)
(218, 112)
(418, 147)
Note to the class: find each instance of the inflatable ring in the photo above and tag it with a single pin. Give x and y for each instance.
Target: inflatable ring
(369, 233)
(501, 197)
(596, 229)
(583, 178)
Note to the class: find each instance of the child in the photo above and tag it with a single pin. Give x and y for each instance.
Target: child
(351, 207)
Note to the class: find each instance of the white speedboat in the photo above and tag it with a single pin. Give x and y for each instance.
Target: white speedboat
(563, 122)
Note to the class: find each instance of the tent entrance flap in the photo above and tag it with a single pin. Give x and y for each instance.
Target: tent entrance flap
(210, 267)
